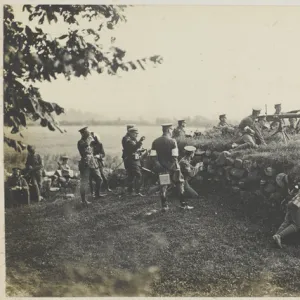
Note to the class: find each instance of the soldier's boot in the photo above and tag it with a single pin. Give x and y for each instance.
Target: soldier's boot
(285, 232)
(98, 188)
(277, 240)
(83, 200)
(164, 205)
(183, 203)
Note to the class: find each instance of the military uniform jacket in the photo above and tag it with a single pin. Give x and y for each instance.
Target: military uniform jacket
(222, 124)
(279, 121)
(187, 170)
(163, 147)
(248, 121)
(13, 182)
(35, 161)
(86, 152)
(178, 132)
(130, 147)
(98, 149)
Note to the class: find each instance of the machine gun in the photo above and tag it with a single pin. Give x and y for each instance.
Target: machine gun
(281, 129)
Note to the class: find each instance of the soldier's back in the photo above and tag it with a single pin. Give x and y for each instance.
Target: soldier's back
(164, 146)
(247, 121)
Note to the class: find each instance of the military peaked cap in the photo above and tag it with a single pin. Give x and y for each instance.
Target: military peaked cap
(190, 148)
(83, 129)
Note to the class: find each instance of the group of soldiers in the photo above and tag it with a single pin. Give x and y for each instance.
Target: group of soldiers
(252, 130)
(173, 169)
(164, 156)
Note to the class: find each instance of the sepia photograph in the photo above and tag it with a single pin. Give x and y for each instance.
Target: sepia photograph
(151, 150)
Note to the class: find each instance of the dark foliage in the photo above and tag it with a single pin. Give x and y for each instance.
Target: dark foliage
(31, 55)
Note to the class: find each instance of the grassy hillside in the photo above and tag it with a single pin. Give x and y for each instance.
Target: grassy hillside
(121, 247)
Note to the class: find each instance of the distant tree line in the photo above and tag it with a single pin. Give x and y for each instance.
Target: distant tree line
(197, 121)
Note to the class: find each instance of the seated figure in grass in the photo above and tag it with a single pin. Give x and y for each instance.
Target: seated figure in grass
(291, 222)
(250, 133)
(17, 189)
(64, 173)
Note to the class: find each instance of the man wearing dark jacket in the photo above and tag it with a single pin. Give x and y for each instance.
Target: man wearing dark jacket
(131, 157)
(34, 169)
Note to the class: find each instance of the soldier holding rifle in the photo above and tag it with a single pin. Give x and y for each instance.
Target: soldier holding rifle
(132, 149)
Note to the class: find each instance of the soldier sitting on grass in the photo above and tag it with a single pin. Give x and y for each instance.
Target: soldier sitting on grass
(17, 187)
(63, 173)
(291, 222)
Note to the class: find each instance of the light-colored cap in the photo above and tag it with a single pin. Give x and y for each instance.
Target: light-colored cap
(65, 157)
(258, 109)
(83, 129)
(277, 105)
(190, 148)
(166, 125)
(133, 129)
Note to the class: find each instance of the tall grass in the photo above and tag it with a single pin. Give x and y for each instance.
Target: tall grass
(15, 159)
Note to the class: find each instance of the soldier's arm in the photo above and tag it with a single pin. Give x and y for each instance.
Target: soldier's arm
(133, 146)
(175, 153)
(24, 184)
(9, 183)
(39, 162)
(27, 163)
(102, 152)
(79, 147)
(188, 169)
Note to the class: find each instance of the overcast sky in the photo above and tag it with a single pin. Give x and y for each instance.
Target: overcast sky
(216, 60)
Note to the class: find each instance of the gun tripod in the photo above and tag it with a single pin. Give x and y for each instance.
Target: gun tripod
(283, 133)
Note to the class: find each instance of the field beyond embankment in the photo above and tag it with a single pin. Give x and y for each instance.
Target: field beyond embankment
(114, 248)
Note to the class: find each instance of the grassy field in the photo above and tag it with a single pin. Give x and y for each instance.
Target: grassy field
(118, 248)
(123, 247)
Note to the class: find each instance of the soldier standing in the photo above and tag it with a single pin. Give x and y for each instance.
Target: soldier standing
(129, 126)
(131, 158)
(34, 169)
(18, 188)
(166, 150)
(99, 154)
(251, 134)
(88, 165)
(187, 169)
(179, 131)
